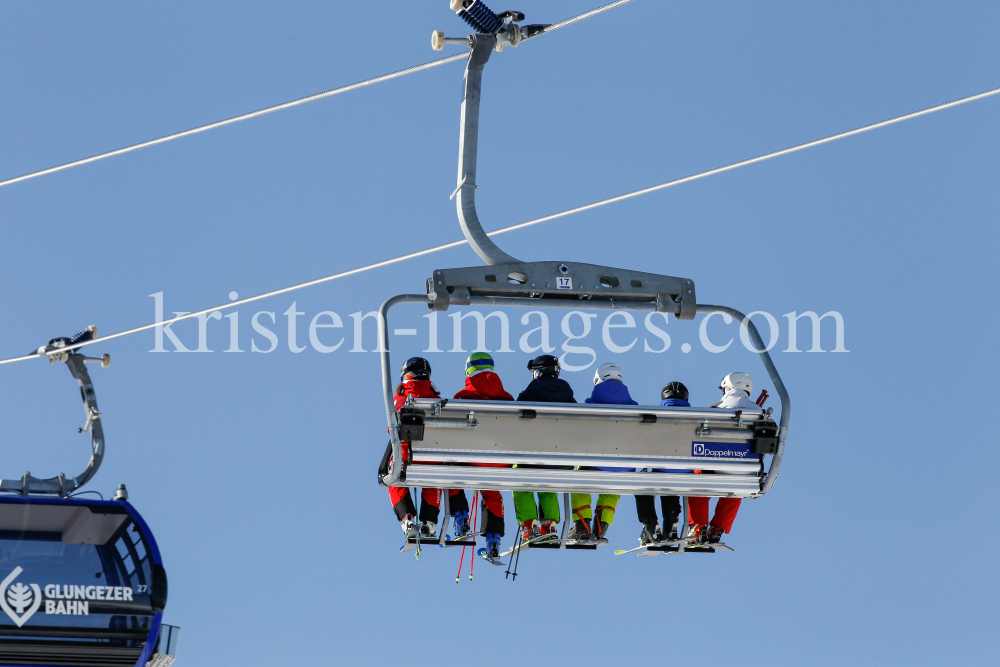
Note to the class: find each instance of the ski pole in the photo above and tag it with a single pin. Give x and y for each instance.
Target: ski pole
(460, 561)
(517, 542)
(475, 520)
(417, 554)
(516, 561)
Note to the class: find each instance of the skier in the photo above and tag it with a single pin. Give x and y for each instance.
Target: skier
(483, 384)
(674, 394)
(736, 389)
(609, 390)
(415, 380)
(545, 387)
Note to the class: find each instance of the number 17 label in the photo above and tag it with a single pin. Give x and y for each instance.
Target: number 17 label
(564, 282)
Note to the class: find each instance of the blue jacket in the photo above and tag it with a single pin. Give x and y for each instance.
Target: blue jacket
(611, 393)
(548, 390)
(675, 402)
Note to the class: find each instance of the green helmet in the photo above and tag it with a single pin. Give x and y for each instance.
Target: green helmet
(478, 362)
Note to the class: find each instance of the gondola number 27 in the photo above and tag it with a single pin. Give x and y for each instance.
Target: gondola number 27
(564, 282)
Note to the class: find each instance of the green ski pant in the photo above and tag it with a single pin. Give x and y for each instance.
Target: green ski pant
(606, 504)
(525, 508)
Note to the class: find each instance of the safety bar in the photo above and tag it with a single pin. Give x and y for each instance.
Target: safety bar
(779, 386)
(582, 481)
(393, 476)
(740, 467)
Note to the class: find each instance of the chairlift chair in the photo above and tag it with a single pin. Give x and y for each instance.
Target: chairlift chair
(564, 442)
(81, 580)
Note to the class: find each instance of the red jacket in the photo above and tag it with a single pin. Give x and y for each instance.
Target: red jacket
(416, 389)
(485, 386)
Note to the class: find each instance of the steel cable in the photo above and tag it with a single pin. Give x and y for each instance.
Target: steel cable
(237, 119)
(580, 17)
(522, 225)
(293, 103)
(743, 163)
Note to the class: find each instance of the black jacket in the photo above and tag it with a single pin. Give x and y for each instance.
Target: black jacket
(548, 390)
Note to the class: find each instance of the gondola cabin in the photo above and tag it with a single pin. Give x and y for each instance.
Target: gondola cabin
(81, 583)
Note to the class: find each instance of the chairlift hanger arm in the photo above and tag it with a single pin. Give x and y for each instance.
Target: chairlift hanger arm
(493, 32)
(60, 485)
(468, 150)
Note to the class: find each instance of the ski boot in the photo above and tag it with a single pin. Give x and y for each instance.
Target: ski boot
(408, 526)
(599, 530)
(649, 535)
(579, 532)
(492, 546)
(462, 529)
(529, 530)
(714, 535)
(672, 534)
(428, 530)
(548, 527)
(695, 534)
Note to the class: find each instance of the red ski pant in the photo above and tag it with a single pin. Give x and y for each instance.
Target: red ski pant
(430, 497)
(725, 512)
(492, 519)
(403, 504)
(492, 499)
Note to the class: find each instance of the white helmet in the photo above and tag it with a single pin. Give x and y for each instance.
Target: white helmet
(607, 372)
(740, 381)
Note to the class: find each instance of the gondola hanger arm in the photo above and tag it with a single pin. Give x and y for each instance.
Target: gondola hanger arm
(60, 485)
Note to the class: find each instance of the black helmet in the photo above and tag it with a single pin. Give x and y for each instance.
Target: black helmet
(674, 390)
(418, 367)
(544, 365)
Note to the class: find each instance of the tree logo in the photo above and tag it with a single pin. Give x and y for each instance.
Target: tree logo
(20, 601)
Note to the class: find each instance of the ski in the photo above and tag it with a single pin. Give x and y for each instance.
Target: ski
(703, 548)
(570, 544)
(424, 542)
(485, 555)
(410, 544)
(533, 543)
(467, 539)
(458, 543)
(662, 543)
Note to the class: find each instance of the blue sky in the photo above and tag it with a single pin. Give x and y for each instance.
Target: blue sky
(257, 471)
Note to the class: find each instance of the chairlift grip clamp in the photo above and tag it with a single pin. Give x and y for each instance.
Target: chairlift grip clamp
(92, 416)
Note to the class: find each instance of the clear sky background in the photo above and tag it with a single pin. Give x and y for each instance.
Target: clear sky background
(256, 471)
